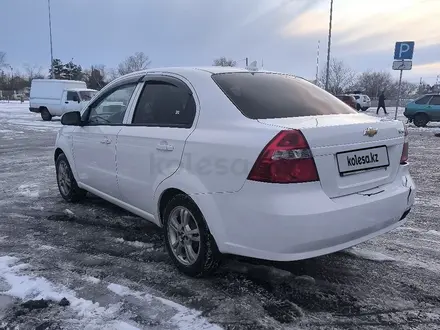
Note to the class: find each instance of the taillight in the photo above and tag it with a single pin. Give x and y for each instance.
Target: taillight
(287, 158)
(404, 157)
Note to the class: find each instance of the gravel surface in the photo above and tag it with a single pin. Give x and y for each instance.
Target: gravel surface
(95, 266)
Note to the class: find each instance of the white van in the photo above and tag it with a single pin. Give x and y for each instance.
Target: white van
(53, 97)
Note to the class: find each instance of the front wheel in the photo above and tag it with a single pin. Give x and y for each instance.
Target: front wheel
(187, 238)
(67, 185)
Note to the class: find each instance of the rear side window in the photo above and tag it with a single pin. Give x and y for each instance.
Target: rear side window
(345, 98)
(357, 97)
(166, 105)
(423, 100)
(268, 95)
(435, 100)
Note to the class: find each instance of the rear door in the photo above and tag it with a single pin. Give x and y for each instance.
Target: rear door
(434, 107)
(150, 148)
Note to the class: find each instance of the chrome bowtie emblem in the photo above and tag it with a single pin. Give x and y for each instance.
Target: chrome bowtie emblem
(370, 131)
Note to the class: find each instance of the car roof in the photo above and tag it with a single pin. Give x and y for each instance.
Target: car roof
(82, 89)
(198, 69)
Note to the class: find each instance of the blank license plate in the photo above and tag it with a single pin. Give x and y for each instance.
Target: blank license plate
(363, 159)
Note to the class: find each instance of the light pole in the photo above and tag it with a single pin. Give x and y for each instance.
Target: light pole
(50, 35)
(329, 45)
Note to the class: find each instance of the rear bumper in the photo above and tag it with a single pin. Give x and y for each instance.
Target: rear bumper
(36, 110)
(286, 223)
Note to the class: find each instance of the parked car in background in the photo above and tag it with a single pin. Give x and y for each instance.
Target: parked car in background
(363, 102)
(289, 171)
(349, 100)
(54, 97)
(423, 110)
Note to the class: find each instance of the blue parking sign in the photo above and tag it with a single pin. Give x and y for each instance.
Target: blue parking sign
(404, 50)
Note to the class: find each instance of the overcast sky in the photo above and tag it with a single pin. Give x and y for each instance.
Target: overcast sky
(284, 33)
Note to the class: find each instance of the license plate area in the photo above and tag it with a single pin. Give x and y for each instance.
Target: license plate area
(360, 160)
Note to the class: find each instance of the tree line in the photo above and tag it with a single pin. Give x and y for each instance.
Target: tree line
(342, 78)
(96, 77)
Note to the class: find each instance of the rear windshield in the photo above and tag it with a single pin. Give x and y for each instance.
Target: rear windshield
(345, 98)
(264, 95)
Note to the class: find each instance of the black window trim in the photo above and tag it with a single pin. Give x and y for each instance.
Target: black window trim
(86, 114)
(165, 79)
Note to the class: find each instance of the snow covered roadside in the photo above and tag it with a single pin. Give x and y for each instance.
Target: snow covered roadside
(85, 314)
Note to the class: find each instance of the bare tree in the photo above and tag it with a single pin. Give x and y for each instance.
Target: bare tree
(137, 62)
(223, 61)
(33, 71)
(373, 83)
(341, 76)
(2, 59)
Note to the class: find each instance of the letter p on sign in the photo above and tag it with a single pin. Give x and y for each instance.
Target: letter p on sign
(404, 50)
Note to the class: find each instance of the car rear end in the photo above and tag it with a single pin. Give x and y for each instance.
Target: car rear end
(327, 179)
(348, 99)
(366, 102)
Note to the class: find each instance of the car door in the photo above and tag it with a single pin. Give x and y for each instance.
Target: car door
(434, 107)
(70, 101)
(94, 143)
(150, 148)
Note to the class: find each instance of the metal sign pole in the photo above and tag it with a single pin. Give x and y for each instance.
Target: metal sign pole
(398, 95)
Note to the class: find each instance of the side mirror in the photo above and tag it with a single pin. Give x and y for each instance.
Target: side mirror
(76, 99)
(72, 118)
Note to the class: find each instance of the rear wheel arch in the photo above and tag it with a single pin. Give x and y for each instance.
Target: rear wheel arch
(166, 196)
(57, 153)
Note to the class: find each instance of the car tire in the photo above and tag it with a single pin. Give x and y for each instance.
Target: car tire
(45, 114)
(187, 238)
(364, 108)
(421, 119)
(67, 184)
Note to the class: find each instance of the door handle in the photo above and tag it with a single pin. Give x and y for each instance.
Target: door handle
(106, 141)
(164, 147)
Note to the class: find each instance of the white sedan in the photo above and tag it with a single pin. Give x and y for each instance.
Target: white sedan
(236, 161)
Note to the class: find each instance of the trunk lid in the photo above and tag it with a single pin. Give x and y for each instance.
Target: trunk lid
(352, 152)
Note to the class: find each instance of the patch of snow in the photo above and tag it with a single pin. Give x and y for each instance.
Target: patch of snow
(92, 279)
(123, 291)
(46, 247)
(136, 244)
(90, 315)
(184, 319)
(27, 190)
(434, 232)
(188, 319)
(416, 230)
(370, 255)
(3, 238)
(69, 213)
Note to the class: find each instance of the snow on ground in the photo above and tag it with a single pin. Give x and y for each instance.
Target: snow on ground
(113, 269)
